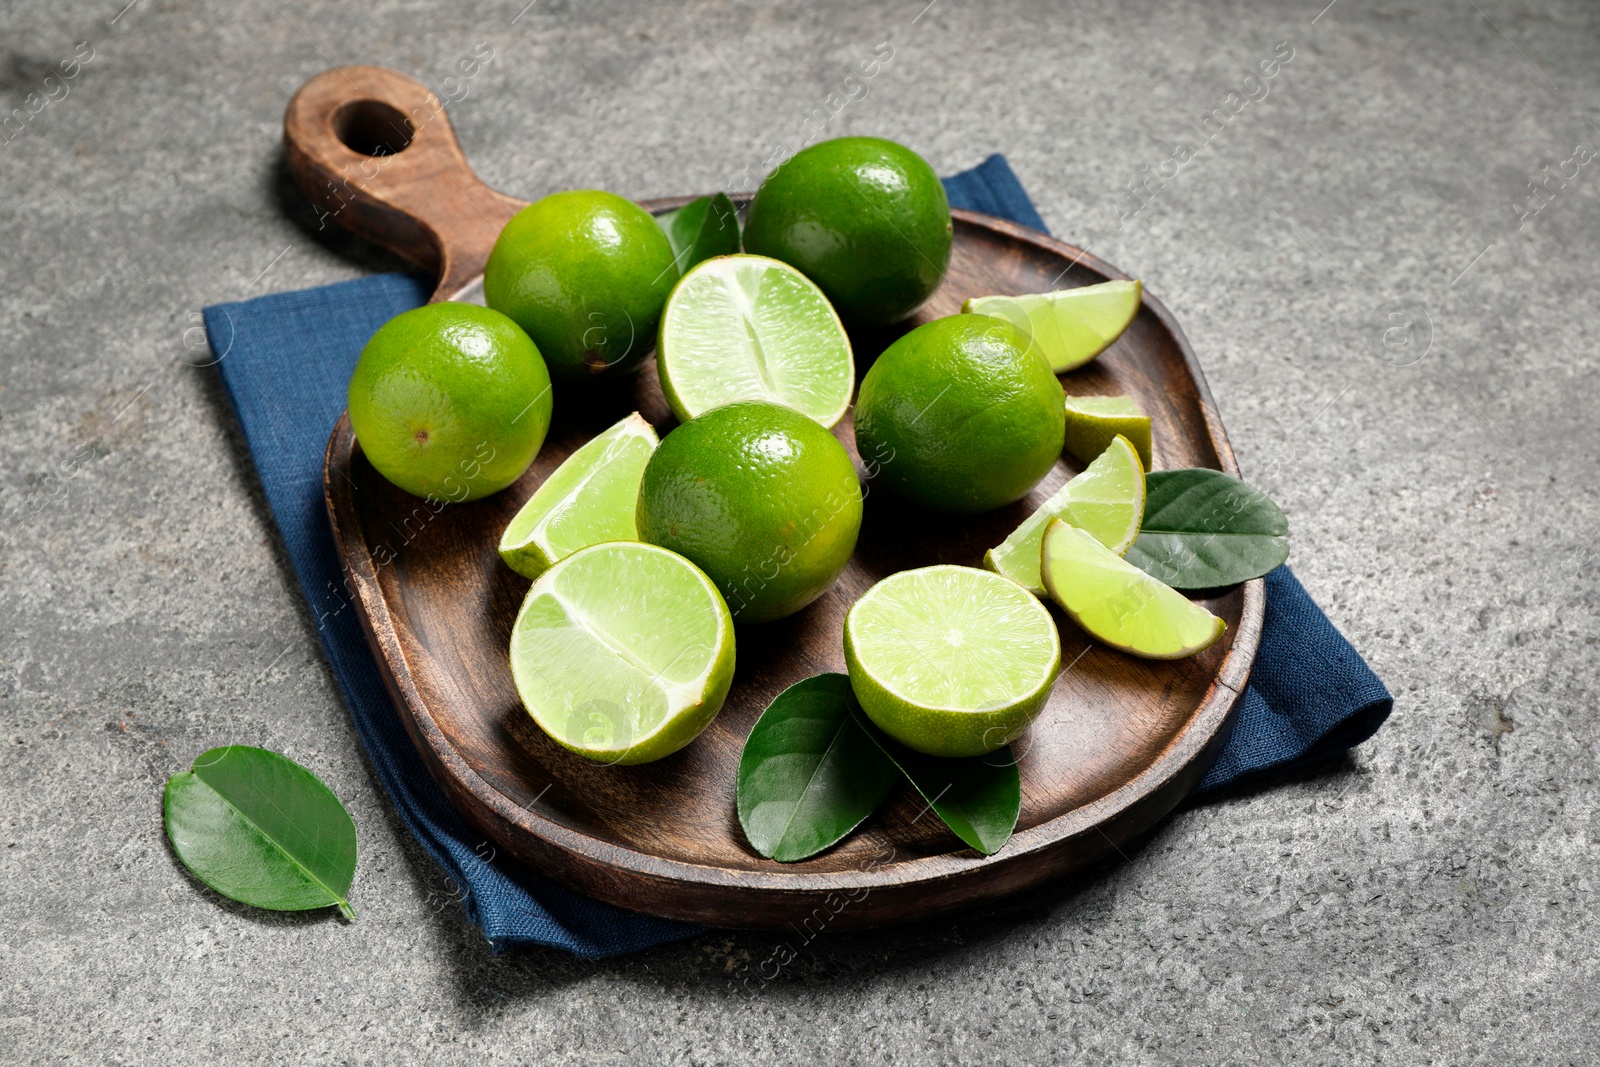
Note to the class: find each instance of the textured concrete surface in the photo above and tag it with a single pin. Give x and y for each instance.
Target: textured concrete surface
(1429, 900)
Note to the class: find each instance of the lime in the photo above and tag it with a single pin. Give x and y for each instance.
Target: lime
(450, 401)
(760, 497)
(951, 661)
(1070, 326)
(1120, 604)
(958, 415)
(751, 328)
(1107, 500)
(590, 498)
(623, 652)
(1094, 421)
(864, 218)
(586, 274)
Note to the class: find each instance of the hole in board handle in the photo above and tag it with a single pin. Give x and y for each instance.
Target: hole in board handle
(372, 128)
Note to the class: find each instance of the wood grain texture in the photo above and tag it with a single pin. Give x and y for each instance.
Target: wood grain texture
(1120, 743)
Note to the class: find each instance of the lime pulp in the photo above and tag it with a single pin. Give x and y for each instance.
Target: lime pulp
(590, 498)
(750, 328)
(623, 652)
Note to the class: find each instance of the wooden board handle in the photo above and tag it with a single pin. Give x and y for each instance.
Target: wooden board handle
(374, 151)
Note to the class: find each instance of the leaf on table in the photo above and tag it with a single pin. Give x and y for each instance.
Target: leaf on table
(259, 828)
(808, 775)
(702, 228)
(978, 797)
(1204, 529)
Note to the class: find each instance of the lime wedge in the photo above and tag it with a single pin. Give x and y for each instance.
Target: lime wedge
(623, 652)
(1070, 326)
(1093, 422)
(590, 498)
(1107, 500)
(1120, 604)
(951, 661)
(751, 328)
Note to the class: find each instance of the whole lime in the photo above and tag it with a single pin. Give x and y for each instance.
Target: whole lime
(864, 218)
(960, 415)
(450, 401)
(761, 498)
(586, 273)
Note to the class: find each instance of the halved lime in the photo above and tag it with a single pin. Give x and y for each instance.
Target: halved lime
(1070, 326)
(1120, 604)
(1093, 422)
(623, 652)
(1107, 500)
(751, 328)
(951, 661)
(590, 498)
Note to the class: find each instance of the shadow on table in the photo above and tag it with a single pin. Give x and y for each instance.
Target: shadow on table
(780, 968)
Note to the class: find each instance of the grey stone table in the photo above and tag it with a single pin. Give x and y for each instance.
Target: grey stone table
(1400, 330)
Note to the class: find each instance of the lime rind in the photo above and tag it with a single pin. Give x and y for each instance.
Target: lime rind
(623, 652)
(1070, 327)
(1107, 500)
(745, 327)
(1093, 422)
(951, 661)
(1119, 604)
(589, 499)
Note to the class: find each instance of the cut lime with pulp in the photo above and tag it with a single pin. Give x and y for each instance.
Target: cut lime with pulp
(751, 328)
(951, 661)
(1107, 500)
(623, 652)
(1120, 604)
(1070, 326)
(1093, 422)
(589, 499)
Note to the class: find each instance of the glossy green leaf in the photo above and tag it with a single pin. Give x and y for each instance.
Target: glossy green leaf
(260, 828)
(701, 229)
(978, 798)
(808, 775)
(1204, 529)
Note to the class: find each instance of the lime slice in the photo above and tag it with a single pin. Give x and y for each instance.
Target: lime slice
(1070, 326)
(1120, 604)
(590, 498)
(623, 652)
(1093, 422)
(751, 328)
(1107, 500)
(951, 661)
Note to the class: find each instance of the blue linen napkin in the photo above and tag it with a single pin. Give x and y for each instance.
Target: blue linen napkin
(285, 361)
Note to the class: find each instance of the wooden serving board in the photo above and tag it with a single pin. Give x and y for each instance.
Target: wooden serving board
(1120, 743)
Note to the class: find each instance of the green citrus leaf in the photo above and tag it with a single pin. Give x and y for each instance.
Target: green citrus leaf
(260, 828)
(978, 797)
(1204, 529)
(701, 229)
(808, 775)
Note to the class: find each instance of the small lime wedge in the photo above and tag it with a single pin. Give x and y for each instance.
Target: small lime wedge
(1107, 500)
(623, 652)
(951, 661)
(751, 328)
(590, 498)
(1120, 604)
(1093, 422)
(1070, 326)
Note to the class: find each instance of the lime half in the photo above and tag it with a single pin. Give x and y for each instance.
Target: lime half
(1120, 604)
(751, 328)
(1093, 422)
(1070, 326)
(623, 652)
(951, 661)
(1107, 500)
(590, 498)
